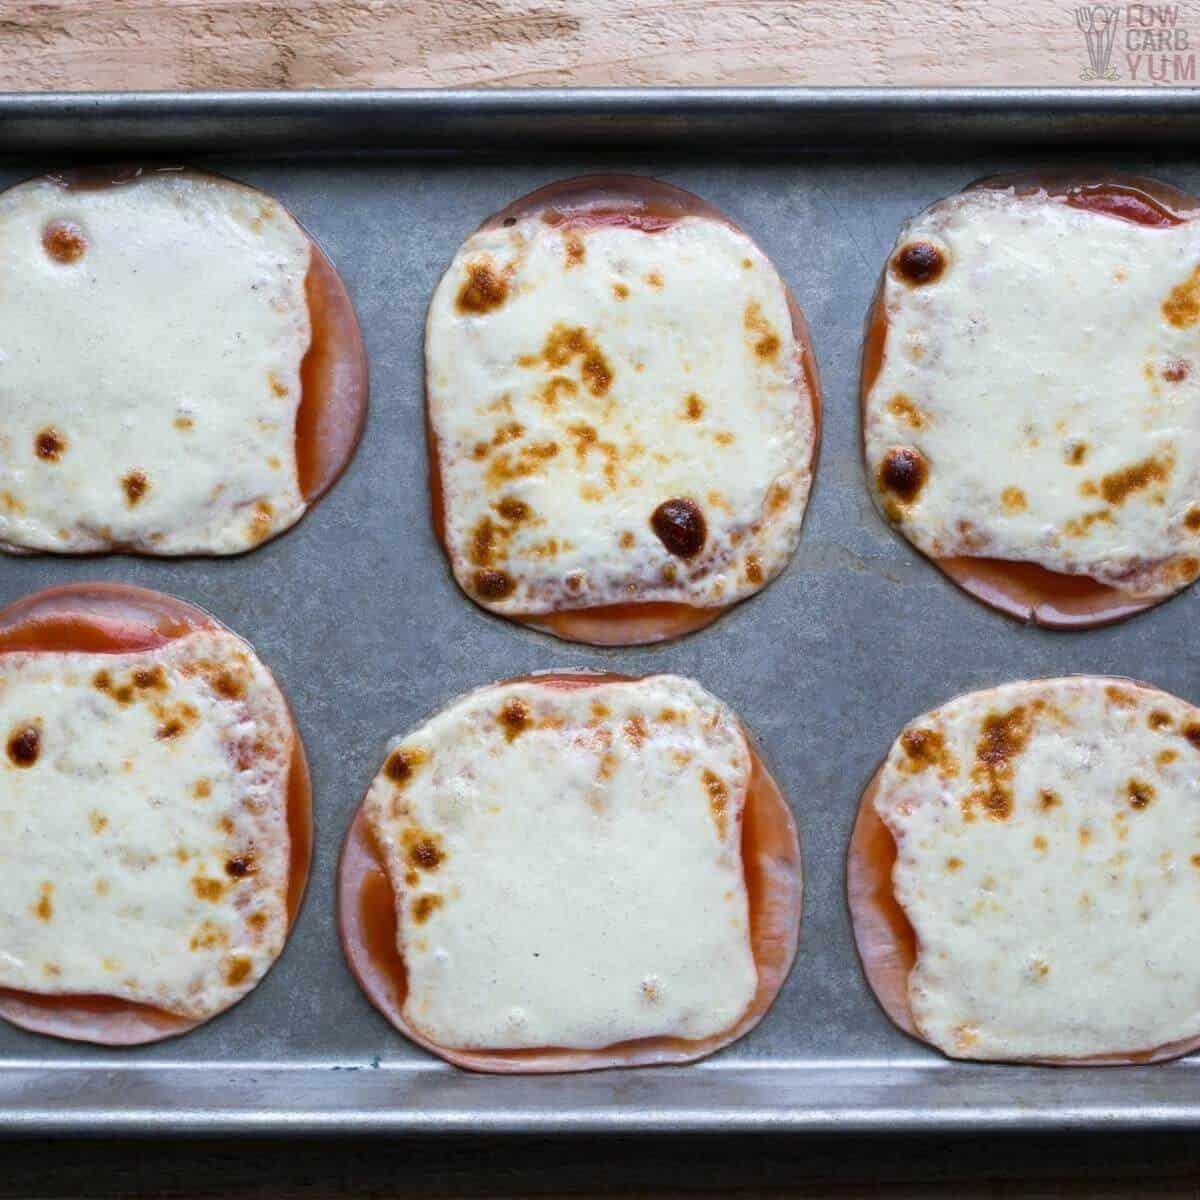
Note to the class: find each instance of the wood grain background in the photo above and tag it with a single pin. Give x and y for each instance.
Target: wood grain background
(103, 44)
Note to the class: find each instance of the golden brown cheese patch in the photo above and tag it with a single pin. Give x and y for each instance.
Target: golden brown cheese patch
(1182, 306)
(1117, 486)
(136, 485)
(765, 339)
(64, 241)
(49, 445)
(483, 290)
(1002, 738)
(924, 748)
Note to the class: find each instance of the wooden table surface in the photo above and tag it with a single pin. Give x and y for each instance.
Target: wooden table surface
(116, 44)
(189, 44)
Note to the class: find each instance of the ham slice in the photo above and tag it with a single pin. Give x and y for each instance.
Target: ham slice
(772, 870)
(104, 618)
(1027, 590)
(583, 206)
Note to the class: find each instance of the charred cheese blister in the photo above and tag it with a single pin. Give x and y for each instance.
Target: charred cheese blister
(1038, 398)
(620, 415)
(567, 867)
(1048, 859)
(151, 338)
(144, 819)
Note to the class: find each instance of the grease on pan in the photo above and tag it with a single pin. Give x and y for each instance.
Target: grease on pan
(1024, 871)
(1029, 363)
(610, 854)
(158, 810)
(623, 412)
(182, 369)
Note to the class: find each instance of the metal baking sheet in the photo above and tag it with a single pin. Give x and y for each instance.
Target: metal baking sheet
(357, 614)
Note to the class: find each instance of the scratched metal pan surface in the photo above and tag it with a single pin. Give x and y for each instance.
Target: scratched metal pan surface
(357, 614)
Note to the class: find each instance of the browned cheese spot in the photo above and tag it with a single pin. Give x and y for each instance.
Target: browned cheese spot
(241, 865)
(1119, 485)
(402, 764)
(202, 789)
(924, 748)
(184, 423)
(175, 722)
(44, 909)
(98, 821)
(208, 936)
(505, 467)
(1078, 526)
(424, 907)
(1121, 697)
(565, 343)
(1048, 800)
(718, 800)
(954, 864)
(483, 289)
(679, 525)
(653, 278)
(1002, 738)
(903, 409)
(1013, 500)
(483, 542)
(49, 445)
(621, 291)
(422, 850)
(150, 678)
(1192, 520)
(1140, 793)
(237, 968)
(1159, 719)
(1040, 843)
(278, 389)
(1191, 731)
(24, 745)
(260, 522)
(257, 920)
(136, 485)
(626, 540)
(493, 585)
(1176, 370)
(693, 407)
(64, 241)
(207, 889)
(514, 717)
(766, 340)
(903, 473)
(1182, 306)
(754, 570)
(1076, 453)
(575, 250)
(1187, 568)
(513, 510)
(635, 730)
(1196, 860)
(918, 263)
(1165, 758)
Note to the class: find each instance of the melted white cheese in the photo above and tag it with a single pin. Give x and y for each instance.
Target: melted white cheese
(622, 369)
(586, 884)
(153, 772)
(168, 351)
(1058, 920)
(1035, 377)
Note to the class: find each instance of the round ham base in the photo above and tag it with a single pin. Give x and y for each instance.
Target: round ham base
(888, 944)
(1026, 590)
(113, 618)
(585, 202)
(333, 373)
(774, 886)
